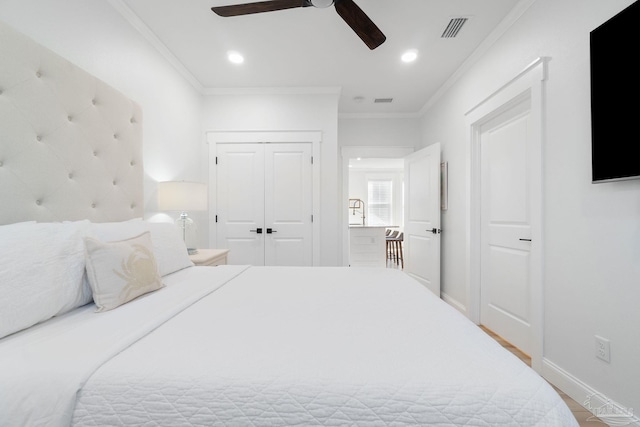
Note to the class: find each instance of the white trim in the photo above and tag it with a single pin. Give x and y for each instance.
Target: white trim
(454, 303)
(486, 44)
(581, 392)
(134, 20)
(239, 137)
(355, 116)
(320, 90)
(528, 83)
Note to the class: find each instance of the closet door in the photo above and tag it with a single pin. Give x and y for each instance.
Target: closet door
(265, 203)
(240, 195)
(288, 204)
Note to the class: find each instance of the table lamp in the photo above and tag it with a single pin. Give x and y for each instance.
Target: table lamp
(183, 196)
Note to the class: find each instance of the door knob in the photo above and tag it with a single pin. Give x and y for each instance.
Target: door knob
(525, 240)
(270, 230)
(259, 231)
(435, 230)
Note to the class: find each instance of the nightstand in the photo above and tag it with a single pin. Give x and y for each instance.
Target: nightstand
(210, 257)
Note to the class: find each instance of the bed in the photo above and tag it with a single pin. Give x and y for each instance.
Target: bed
(105, 321)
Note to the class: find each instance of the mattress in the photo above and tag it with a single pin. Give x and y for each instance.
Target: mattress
(280, 346)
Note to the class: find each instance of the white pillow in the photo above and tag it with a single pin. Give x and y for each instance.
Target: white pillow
(112, 231)
(121, 271)
(41, 272)
(169, 247)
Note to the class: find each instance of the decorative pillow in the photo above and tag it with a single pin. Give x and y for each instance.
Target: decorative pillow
(113, 231)
(121, 271)
(169, 247)
(41, 272)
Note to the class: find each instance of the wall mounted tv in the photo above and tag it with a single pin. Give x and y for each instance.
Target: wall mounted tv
(615, 97)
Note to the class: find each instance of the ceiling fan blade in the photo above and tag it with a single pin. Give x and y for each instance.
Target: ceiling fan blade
(257, 7)
(360, 23)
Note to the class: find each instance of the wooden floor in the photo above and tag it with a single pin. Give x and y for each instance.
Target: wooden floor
(584, 417)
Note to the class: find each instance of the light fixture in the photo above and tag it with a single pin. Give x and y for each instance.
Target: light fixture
(409, 56)
(235, 57)
(183, 196)
(321, 3)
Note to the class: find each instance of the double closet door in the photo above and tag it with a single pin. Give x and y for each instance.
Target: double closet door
(265, 203)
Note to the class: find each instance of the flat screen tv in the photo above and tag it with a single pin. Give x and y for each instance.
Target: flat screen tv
(615, 97)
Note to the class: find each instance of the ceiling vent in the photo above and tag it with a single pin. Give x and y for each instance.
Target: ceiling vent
(454, 27)
(383, 100)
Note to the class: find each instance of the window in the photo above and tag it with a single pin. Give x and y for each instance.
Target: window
(379, 209)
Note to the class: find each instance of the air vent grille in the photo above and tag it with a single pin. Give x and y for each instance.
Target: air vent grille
(453, 28)
(383, 100)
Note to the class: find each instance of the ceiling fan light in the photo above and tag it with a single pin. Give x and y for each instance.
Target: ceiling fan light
(321, 3)
(235, 57)
(409, 56)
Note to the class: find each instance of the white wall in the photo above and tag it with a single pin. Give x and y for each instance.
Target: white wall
(92, 35)
(592, 232)
(286, 112)
(385, 131)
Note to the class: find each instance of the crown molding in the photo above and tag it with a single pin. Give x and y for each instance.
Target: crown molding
(364, 116)
(298, 90)
(134, 20)
(512, 17)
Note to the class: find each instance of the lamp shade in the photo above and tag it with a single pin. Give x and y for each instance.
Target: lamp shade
(182, 196)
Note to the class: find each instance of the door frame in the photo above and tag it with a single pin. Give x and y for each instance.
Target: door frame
(529, 83)
(354, 152)
(261, 137)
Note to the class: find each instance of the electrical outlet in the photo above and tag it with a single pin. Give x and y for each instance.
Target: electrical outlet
(603, 349)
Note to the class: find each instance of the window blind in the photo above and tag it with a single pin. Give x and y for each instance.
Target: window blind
(379, 209)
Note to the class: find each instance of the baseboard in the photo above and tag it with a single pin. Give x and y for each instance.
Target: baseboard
(454, 303)
(592, 400)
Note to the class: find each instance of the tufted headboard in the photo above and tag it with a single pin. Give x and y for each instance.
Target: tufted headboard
(70, 145)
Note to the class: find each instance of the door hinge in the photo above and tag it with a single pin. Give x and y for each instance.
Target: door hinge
(311, 218)
(216, 160)
(311, 159)
(216, 218)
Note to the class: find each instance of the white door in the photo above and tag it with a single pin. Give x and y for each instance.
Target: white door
(288, 204)
(505, 228)
(240, 202)
(265, 203)
(422, 216)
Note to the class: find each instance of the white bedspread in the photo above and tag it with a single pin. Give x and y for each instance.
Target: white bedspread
(318, 346)
(42, 368)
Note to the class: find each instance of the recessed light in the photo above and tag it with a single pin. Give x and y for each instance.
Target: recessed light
(235, 57)
(410, 55)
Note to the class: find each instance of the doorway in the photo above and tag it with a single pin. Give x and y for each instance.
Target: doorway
(505, 215)
(363, 157)
(421, 206)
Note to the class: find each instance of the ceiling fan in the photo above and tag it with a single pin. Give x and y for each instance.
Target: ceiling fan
(347, 9)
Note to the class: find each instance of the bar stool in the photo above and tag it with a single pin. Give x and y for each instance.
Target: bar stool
(398, 249)
(391, 254)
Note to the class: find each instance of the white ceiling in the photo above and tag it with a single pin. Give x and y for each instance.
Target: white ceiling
(304, 48)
